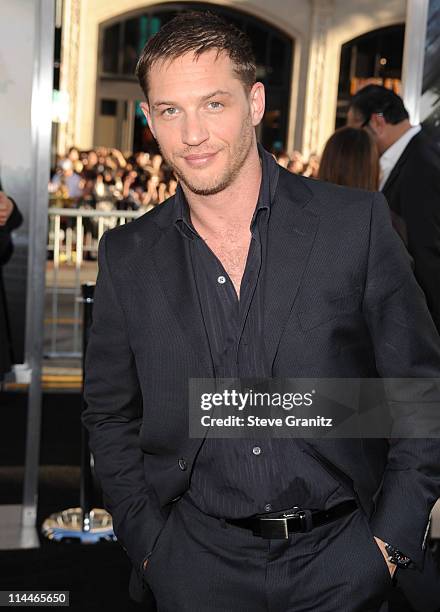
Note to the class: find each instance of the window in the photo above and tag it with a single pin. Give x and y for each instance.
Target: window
(375, 57)
(109, 108)
(122, 43)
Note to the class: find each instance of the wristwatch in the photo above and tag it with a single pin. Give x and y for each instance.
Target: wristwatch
(396, 557)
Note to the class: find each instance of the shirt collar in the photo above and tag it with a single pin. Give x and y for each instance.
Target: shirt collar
(269, 180)
(391, 156)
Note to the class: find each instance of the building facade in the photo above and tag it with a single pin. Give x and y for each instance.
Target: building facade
(311, 54)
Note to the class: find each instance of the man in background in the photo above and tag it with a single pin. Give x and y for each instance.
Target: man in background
(410, 181)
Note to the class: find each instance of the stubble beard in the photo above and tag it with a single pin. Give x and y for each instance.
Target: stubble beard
(236, 161)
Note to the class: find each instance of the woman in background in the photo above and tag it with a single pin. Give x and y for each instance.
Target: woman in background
(351, 158)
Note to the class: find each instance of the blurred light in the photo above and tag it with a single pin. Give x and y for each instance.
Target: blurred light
(383, 61)
(60, 106)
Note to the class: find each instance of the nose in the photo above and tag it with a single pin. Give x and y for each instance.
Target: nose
(194, 132)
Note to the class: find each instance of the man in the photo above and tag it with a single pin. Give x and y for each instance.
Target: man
(10, 219)
(410, 181)
(250, 271)
(68, 177)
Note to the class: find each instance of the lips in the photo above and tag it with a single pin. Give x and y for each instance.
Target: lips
(199, 159)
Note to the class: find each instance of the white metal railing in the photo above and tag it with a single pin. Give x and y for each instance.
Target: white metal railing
(74, 235)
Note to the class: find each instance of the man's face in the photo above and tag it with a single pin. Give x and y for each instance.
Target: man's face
(203, 119)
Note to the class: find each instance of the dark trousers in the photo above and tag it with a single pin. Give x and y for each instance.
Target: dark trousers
(202, 564)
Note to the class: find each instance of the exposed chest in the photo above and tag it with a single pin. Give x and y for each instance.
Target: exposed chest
(232, 254)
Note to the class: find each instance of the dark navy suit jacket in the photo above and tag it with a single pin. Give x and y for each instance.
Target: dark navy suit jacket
(341, 301)
(413, 193)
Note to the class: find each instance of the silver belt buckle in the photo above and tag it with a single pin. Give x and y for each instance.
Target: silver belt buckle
(281, 522)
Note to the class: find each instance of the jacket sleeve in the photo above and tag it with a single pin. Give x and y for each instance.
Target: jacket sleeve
(6, 246)
(406, 345)
(15, 218)
(113, 416)
(420, 202)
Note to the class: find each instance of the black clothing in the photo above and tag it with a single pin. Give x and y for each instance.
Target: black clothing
(207, 567)
(6, 250)
(413, 194)
(233, 326)
(339, 301)
(234, 478)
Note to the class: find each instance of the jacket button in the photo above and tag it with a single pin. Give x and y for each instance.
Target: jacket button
(182, 464)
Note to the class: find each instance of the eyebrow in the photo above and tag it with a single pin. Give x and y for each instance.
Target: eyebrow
(218, 92)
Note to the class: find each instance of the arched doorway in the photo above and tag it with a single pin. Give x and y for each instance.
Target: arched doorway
(374, 57)
(119, 121)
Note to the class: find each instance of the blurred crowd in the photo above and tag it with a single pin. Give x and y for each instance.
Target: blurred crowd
(378, 150)
(106, 179)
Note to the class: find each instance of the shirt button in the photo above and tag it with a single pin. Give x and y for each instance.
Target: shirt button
(268, 507)
(256, 450)
(182, 464)
(221, 280)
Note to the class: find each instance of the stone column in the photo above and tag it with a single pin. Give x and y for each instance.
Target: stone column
(319, 50)
(69, 70)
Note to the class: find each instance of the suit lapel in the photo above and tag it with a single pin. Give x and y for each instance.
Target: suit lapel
(398, 166)
(291, 233)
(172, 260)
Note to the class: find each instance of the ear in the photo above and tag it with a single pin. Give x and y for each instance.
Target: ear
(378, 122)
(146, 110)
(257, 100)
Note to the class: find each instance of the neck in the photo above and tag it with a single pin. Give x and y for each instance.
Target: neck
(231, 207)
(394, 133)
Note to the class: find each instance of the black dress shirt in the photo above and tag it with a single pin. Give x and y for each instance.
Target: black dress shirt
(234, 478)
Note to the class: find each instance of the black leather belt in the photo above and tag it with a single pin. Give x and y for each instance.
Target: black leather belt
(293, 521)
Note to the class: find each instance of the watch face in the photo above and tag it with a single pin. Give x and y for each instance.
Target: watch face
(396, 557)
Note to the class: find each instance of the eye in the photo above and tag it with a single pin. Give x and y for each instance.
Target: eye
(215, 105)
(170, 111)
